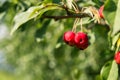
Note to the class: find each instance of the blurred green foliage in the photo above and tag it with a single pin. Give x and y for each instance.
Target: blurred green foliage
(36, 50)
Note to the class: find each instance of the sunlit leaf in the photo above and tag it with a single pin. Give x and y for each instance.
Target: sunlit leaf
(109, 71)
(69, 3)
(112, 14)
(114, 40)
(116, 26)
(31, 13)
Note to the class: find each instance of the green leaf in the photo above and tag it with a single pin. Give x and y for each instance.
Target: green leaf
(1, 15)
(114, 40)
(112, 14)
(110, 11)
(109, 71)
(98, 2)
(47, 1)
(32, 13)
(116, 26)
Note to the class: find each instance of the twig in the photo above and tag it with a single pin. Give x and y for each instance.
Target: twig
(80, 15)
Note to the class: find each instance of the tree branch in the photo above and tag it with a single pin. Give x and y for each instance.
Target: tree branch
(80, 15)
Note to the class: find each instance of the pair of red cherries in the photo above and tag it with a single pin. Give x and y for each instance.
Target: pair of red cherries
(80, 39)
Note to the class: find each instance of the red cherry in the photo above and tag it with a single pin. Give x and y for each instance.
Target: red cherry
(81, 40)
(101, 11)
(117, 57)
(69, 38)
(82, 47)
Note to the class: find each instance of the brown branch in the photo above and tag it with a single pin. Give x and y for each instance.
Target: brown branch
(68, 16)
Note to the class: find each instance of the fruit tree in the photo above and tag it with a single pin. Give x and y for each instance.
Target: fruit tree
(61, 39)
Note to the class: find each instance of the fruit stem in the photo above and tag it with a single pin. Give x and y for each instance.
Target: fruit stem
(75, 25)
(81, 27)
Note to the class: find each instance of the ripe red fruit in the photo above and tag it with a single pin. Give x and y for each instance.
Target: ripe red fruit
(117, 57)
(81, 40)
(101, 11)
(69, 38)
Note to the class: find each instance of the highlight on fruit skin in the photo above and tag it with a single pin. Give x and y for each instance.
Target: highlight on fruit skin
(68, 38)
(101, 11)
(117, 57)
